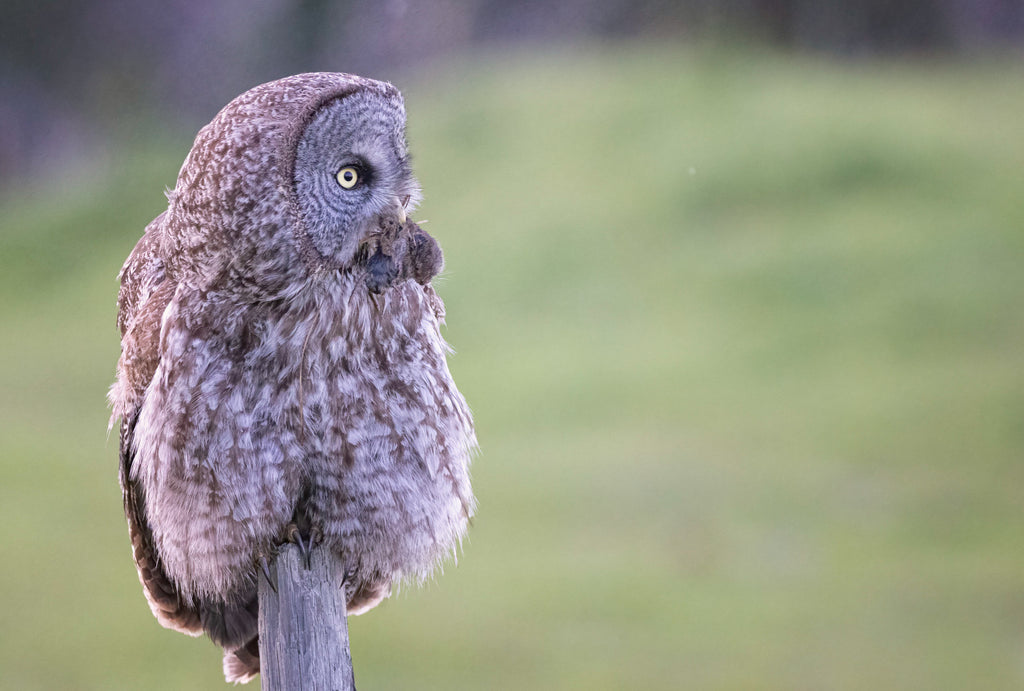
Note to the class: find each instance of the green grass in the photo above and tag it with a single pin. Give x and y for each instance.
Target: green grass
(744, 337)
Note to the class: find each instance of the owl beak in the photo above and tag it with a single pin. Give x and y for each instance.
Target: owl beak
(400, 211)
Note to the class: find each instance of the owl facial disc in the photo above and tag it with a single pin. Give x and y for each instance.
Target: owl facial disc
(351, 173)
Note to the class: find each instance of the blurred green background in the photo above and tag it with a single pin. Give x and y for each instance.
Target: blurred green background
(742, 325)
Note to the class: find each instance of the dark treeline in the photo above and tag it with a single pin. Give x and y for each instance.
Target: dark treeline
(70, 72)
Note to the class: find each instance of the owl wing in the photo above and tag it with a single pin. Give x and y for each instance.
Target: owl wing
(145, 292)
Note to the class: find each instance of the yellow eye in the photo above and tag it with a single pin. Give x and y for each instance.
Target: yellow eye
(347, 177)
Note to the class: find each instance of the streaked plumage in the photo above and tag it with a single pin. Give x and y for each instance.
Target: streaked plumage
(263, 380)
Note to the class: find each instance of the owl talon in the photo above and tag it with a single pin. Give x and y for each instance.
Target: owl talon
(265, 567)
(295, 536)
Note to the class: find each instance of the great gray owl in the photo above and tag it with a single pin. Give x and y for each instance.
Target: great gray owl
(282, 373)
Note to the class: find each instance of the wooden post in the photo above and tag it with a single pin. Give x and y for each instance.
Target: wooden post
(303, 631)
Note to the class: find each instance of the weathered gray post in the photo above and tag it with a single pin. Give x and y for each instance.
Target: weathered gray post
(303, 631)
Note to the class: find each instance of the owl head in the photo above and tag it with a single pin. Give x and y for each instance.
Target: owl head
(288, 181)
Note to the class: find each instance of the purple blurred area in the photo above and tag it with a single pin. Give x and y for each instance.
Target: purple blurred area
(75, 74)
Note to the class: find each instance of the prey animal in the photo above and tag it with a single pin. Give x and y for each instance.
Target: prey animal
(282, 374)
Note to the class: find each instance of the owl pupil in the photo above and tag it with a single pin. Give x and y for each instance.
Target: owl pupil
(348, 176)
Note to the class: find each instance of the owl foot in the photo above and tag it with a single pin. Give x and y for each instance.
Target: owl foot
(304, 543)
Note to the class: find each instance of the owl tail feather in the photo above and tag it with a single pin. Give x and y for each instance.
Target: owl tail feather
(243, 664)
(234, 627)
(231, 625)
